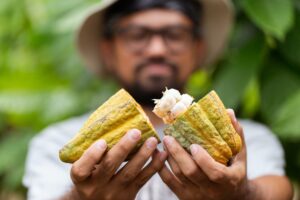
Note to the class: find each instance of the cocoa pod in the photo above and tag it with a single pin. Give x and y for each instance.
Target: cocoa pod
(110, 122)
(208, 124)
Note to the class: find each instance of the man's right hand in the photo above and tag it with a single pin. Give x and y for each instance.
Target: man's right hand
(95, 174)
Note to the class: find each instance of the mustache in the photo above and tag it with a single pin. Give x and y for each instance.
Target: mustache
(156, 61)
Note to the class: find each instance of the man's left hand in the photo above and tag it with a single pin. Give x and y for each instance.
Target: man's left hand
(199, 176)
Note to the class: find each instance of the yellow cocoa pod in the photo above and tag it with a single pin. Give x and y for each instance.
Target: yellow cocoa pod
(110, 122)
(208, 124)
(217, 114)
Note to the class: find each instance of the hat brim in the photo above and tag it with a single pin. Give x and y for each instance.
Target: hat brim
(217, 22)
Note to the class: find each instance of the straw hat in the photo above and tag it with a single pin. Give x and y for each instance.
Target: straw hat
(216, 24)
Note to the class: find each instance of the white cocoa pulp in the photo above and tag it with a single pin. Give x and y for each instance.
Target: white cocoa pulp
(171, 105)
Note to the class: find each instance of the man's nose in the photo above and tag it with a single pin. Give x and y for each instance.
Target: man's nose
(156, 46)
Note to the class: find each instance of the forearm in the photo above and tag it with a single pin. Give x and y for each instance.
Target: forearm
(268, 188)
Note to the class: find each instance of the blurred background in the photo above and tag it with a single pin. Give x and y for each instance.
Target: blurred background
(42, 80)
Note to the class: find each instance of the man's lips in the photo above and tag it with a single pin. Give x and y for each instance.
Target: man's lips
(158, 70)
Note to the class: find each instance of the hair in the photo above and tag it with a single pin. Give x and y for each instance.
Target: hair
(190, 8)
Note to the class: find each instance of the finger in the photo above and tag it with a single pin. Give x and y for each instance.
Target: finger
(156, 164)
(182, 163)
(84, 166)
(215, 171)
(177, 171)
(135, 165)
(169, 179)
(241, 156)
(235, 123)
(114, 158)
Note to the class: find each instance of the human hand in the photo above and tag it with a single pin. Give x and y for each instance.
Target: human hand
(95, 174)
(199, 176)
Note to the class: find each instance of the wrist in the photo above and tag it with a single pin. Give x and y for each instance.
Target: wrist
(74, 194)
(248, 191)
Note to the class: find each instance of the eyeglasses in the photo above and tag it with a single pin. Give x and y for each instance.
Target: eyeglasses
(137, 38)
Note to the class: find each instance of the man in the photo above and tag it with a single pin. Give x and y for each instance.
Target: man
(148, 45)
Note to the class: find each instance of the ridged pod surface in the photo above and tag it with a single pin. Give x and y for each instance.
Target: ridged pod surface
(208, 124)
(110, 122)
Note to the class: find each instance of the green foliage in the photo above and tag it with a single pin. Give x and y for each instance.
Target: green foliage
(273, 17)
(12, 155)
(260, 75)
(41, 78)
(290, 49)
(241, 67)
(286, 121)
(43, 81)
(279, 83)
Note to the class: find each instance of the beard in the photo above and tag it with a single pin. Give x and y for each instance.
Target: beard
(147, 86)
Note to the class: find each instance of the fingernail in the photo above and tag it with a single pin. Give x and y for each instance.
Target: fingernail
(232, 113)
(194, 149)
(134, 134)
(151, 143)
(163, 156)
(101, 144)
(168, 140)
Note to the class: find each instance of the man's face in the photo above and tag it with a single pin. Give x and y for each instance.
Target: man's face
(151, 50)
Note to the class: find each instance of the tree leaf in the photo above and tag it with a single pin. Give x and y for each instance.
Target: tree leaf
(291, 47)
(199, 83)
(13, 179)
(251, 99)
(278, 84)
(287, 120)
(13, 150)
(242, 67)
(274, 17)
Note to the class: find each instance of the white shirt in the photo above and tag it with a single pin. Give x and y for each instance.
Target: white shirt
(47, 178)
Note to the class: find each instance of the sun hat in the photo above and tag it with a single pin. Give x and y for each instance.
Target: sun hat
(216, 25)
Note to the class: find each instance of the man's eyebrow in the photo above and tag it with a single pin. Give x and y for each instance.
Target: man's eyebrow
(150, 27)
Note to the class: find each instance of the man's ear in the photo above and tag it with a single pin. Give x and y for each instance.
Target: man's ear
(107, 55)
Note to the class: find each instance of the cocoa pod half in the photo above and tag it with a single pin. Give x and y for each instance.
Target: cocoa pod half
(110, 122)
(208, 124)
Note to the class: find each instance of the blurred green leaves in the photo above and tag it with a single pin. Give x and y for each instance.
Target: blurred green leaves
(287, 119)
(278, 84)
(242, 66)
(13, 150)
(291, 47)
(42, 80)
(273, 17)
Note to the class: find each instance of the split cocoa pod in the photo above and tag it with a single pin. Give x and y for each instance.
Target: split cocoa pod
(205, 122)
(110, 122)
